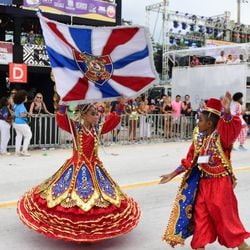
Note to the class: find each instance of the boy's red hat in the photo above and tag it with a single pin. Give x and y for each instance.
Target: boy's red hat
(214, 106)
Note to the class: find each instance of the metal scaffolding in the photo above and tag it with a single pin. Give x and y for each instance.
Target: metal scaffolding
(161, 8)
(228, 29)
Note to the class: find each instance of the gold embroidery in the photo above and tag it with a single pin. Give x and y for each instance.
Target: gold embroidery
(188, 211)
(70, 197)
(170, 235)
(220, 155)
(82, 227)
(68, 202)
(102, 203)
(102, 226)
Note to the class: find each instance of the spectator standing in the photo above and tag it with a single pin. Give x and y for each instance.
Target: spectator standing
(162, 101)
(11, 98)
(101, 110)
(202, 106)
(117, 107)
(186, 110)
(132, 111)
(31, 37)
(167, 111)
(107, 108)
(176, 106)
(5, 124)
(38, 106)
(143, 110)
(20, 124)
(238, 111)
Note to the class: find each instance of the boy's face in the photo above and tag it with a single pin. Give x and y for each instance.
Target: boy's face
(203, 123)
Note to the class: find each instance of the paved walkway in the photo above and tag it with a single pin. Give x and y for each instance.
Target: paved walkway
(136, 168)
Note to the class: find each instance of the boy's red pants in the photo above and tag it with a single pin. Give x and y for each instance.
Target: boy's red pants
(216, 214)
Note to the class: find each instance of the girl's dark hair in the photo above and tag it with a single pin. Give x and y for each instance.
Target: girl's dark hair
(212, 117)
(20, 96)
(3, 101)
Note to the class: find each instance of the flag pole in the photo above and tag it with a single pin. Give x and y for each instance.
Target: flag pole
(72, 132)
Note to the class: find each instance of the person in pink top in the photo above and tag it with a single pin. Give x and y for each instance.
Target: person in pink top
(238, 110)
(195, 61)
(176, 106)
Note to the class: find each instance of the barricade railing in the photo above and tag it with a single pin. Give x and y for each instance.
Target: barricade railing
(136, 129)
(45, 132)
(150, 128)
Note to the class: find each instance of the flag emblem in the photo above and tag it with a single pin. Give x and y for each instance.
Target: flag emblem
(96, 69)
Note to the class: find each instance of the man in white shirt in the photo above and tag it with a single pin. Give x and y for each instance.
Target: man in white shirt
(221, 59)
(240, 59)
(229, 59)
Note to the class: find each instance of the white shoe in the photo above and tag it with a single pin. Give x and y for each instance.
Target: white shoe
(25, 154)
(242, 148)
(18, 154)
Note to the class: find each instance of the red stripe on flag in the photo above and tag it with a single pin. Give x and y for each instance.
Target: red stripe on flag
(78, 92)
(118, 37)
(53, 27)
(133, 82)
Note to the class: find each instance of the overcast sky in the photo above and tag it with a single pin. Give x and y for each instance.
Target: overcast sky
(134, 10)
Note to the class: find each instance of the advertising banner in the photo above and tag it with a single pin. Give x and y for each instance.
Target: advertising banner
(35, 55)
(91, 9)
(18, 73)
(6, 53)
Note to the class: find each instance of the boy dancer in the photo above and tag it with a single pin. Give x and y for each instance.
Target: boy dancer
(206, 205)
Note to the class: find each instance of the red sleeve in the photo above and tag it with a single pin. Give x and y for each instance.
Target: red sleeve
(110, 122)
(63, 121)
(188, 161)
(229, 128)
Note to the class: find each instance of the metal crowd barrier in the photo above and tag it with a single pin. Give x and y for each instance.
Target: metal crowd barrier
(139, 129)
(150, 128)
(45, 132)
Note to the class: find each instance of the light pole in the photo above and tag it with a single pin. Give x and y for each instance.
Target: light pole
(238, 9)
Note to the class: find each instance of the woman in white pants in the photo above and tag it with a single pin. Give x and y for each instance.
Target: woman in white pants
(5, 123)
(145, 125)
(20, 124)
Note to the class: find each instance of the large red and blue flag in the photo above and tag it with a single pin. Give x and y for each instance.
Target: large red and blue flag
(98, 63)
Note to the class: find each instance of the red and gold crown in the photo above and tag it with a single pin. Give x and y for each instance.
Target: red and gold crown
(214, 106)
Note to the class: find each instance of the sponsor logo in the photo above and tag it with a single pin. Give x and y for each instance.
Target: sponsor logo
(111, 11)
